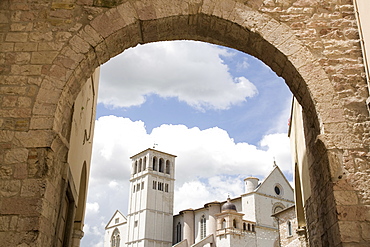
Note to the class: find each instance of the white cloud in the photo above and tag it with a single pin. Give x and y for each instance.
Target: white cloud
(191, 71)
(209, 165)
(92, 208)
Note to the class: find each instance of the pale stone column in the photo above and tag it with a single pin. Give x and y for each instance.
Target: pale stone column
(188, 225)
(213, 209)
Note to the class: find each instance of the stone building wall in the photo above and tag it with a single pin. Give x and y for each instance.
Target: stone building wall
(48, 50)
(288, 238)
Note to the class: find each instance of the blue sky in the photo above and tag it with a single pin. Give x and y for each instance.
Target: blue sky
(245, 122)
(222, 112)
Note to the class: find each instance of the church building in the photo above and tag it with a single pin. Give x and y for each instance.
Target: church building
(243, 221)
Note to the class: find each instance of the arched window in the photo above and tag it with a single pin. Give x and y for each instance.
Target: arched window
(252, 228)
(161, 161)
(118, 240)
(234, 223)
(203, 225)
(140, 163)
(135, 168)
(277, 207)
(115, 239)
(244, 226)
(168, 167)
(223, 223)
(249, 227)
(154, 163)
(289, 230)
(178, 232)
(144, 164)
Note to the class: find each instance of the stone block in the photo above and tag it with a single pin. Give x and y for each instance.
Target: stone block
(40, 36)
(45, 57)
(13, 156)
(20, 171)
(352, 213)
(35, 138)
(9, 188)
(33, 188)
(108, 23)
(9, 101)
(26, 69)
(346, 197)
(350, 231)
(28, 223)
(24, 102)
(6, 47)
(4, 223)
(50, 96)
(6, 172)
(90, 35)
(16, 37)
(79, 45)
(365, 230)
(21, 27)
(41, 123)
(21, 206)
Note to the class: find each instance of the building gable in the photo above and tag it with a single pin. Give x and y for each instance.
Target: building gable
(117, 219)
(275, 184)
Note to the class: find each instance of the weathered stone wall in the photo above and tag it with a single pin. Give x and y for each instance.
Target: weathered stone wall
(48, 49)
(286, 239)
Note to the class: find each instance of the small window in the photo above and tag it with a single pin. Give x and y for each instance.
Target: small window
(115, 239)
(223, 224)
(244, 226)
(134, 189)
(138, 187)
(277, 190)
(154, 185)
(253, 228)
(168, 167)
(139, 168)
(249, 227)
(161, 161)
(144, 164)
(289, 226)
(142, 185)
(154, 163)
(234, 223)
(160, 186)
(203, 227)
(166, 188)
(135, 223)
(116, 220)
(178, 232)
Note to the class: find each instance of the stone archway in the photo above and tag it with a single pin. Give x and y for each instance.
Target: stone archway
(51, 49)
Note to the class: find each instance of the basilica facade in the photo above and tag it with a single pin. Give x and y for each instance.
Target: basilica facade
(247, 220)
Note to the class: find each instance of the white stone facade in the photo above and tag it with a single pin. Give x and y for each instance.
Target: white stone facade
(243, 221)
(251, 224)
(115, 231)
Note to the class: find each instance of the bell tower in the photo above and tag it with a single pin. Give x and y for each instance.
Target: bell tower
(151, 199)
